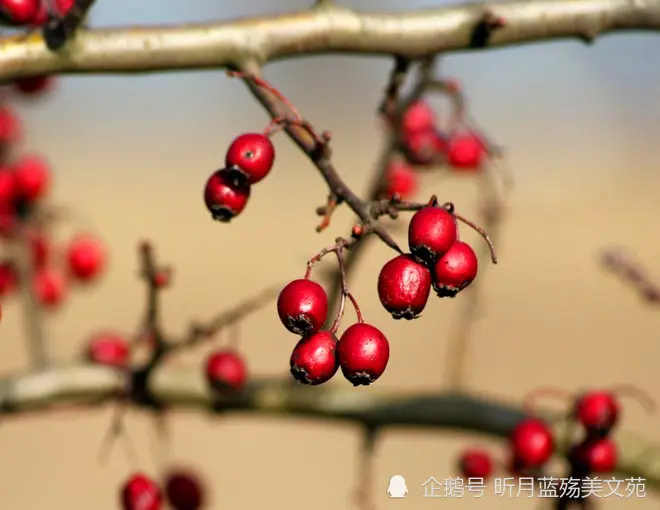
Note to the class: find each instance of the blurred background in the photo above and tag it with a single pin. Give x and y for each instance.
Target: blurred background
(131, 155)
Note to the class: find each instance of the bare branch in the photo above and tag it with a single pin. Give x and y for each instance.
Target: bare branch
(632, 274)
(375, 409)
(332, 29)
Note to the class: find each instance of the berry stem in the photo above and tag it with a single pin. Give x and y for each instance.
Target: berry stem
(451, 209)
(270, 88)
(529, 401)
(641, 396)
(358, 312)
(115, 431)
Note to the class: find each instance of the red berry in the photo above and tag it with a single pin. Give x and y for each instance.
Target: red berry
(431, 232)
(108, 348)
(63, 6)
(86, 258)
(314, 359)
(455, 270)
(50, 287)
(363, 354)
(404, 286)
(401, 180)
(475, 464)
(7, 187)
(226, 371)
(597, 411)
(32, 178)
(19, 12)
(224, 197)
(8, 278)
(466, 151)
(252, 154)
(10, 126)
(303, 307)
(33, 84)
(418, 117)
(141, 493)
(184, 490)
(40, 248)
(594, 456)
(424, 147)
(162, 279)
(532, 443)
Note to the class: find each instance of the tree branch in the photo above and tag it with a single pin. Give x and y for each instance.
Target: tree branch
(331, 29)
(373, 409)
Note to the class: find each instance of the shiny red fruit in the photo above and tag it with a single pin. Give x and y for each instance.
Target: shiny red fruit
(50, 287)
(597, 411)
(10, 126)
(594, 456)
(431, 232)
(63, 6)
(418, 117)
(226, 371)
(108, 348)
(184, 490)
(32, 178)
(466, 151)
(86, 258)
(475, 463)
(400, 180)
(363, 353)
(314, 359)
(303, 307)
(404, 286)
(532, 443)
(225, 198)
(40, 247)
(252, 154)
(19, 12)
(141, 493)
(455, 270)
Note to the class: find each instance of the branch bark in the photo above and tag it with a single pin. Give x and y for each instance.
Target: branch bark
(376, 408)
(330, 29)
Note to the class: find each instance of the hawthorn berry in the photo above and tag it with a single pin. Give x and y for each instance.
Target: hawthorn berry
(314, 358)
(224, 197)
(597, 411)
(226, 371)
(7, 186)
(108, 348)
(63, 6)
(8, 278)
(423, 147)
(32, 178)
(85, 258)
(50, 287)
(401, 180)
(475, 463)
(10, 126)
(33, 85)
(162, 279)
(418, 117)
(455, 270)
(594, 456)
(251, 154)
(404, 286)
(465, 151)
(184, 490)
(141, 493)
(363, 353)
(431, 233)
(532, 443)
(19, 12)
(303, 306)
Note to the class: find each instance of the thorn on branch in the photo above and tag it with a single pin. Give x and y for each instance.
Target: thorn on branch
(485, 28)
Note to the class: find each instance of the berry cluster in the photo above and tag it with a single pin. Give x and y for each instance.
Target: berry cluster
(362, 352)
(182, 490)
(437, 259)
(25, 182)
(31, 13)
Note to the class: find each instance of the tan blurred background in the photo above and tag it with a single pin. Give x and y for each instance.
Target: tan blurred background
(132, 154)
